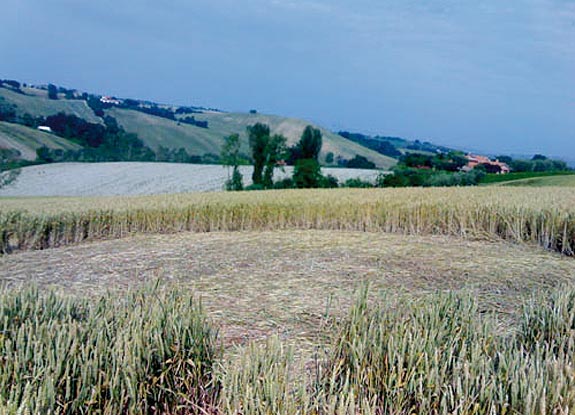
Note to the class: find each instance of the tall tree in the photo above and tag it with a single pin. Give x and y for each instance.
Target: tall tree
(307, 171)
(52, 91)
(275, 151)
(310, 143)
(230, 156)
(259, 136)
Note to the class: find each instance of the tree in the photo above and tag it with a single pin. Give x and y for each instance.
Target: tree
(310, 143)
(504, 159)
(52, 91)
(329, 158)
(259, 135)
(275, 151)
(307, 171)
(230, 156)
(360, 162)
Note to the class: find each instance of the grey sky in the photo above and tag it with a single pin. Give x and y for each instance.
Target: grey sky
(489, 75)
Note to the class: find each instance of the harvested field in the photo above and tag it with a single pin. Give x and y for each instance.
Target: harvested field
(254, 284)
(134, 178)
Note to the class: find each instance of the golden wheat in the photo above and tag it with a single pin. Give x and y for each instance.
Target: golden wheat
(542, 216)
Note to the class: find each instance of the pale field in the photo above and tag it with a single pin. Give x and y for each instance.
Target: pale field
(133, 178)
(295, 283)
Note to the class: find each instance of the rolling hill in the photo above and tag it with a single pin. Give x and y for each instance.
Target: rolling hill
(156, 131)
(27, 140)
(36, 103)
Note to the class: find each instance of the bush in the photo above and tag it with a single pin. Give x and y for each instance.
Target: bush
(328, 182)
(360, 162)
(286, 183)
(307, 173)
(255, 186)
(357, 183)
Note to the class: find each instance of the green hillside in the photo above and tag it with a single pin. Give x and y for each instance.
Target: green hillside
(567, 180)
(156, 131)
(36, 103)
(26, 140)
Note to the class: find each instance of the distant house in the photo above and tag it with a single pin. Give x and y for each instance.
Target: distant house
(45, 128)
(490, 166)
(110, 100)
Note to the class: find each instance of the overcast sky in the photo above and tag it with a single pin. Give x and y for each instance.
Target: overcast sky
(488, 75)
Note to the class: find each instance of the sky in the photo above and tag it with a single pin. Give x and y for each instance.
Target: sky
(484, 75)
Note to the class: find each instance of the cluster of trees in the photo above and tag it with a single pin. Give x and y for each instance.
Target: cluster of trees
(190, 119)
(438, 169)
(538, 163)
(415, 177)
(11, 84)
(358, 162)
(382, 146)
(108, 142)
(426, 146)
(452, 161)
(187, 110)
(8, 111)
(270, 150)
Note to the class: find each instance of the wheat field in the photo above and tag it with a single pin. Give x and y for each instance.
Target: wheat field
(343, 301)
(532, 215)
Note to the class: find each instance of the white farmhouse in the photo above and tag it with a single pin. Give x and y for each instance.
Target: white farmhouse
(45, 128)
(110, 100)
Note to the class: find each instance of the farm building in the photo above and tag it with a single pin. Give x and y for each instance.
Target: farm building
(110, 100)
(490, 165)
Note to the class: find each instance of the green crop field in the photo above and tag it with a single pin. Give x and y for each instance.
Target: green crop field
(528, 178)
(340, 301)
(567, 180)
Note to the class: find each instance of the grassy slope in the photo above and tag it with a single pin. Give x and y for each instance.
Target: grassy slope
(558, 180)
(38, 104)
(157, 131)
(27, 140)
(491, 179)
